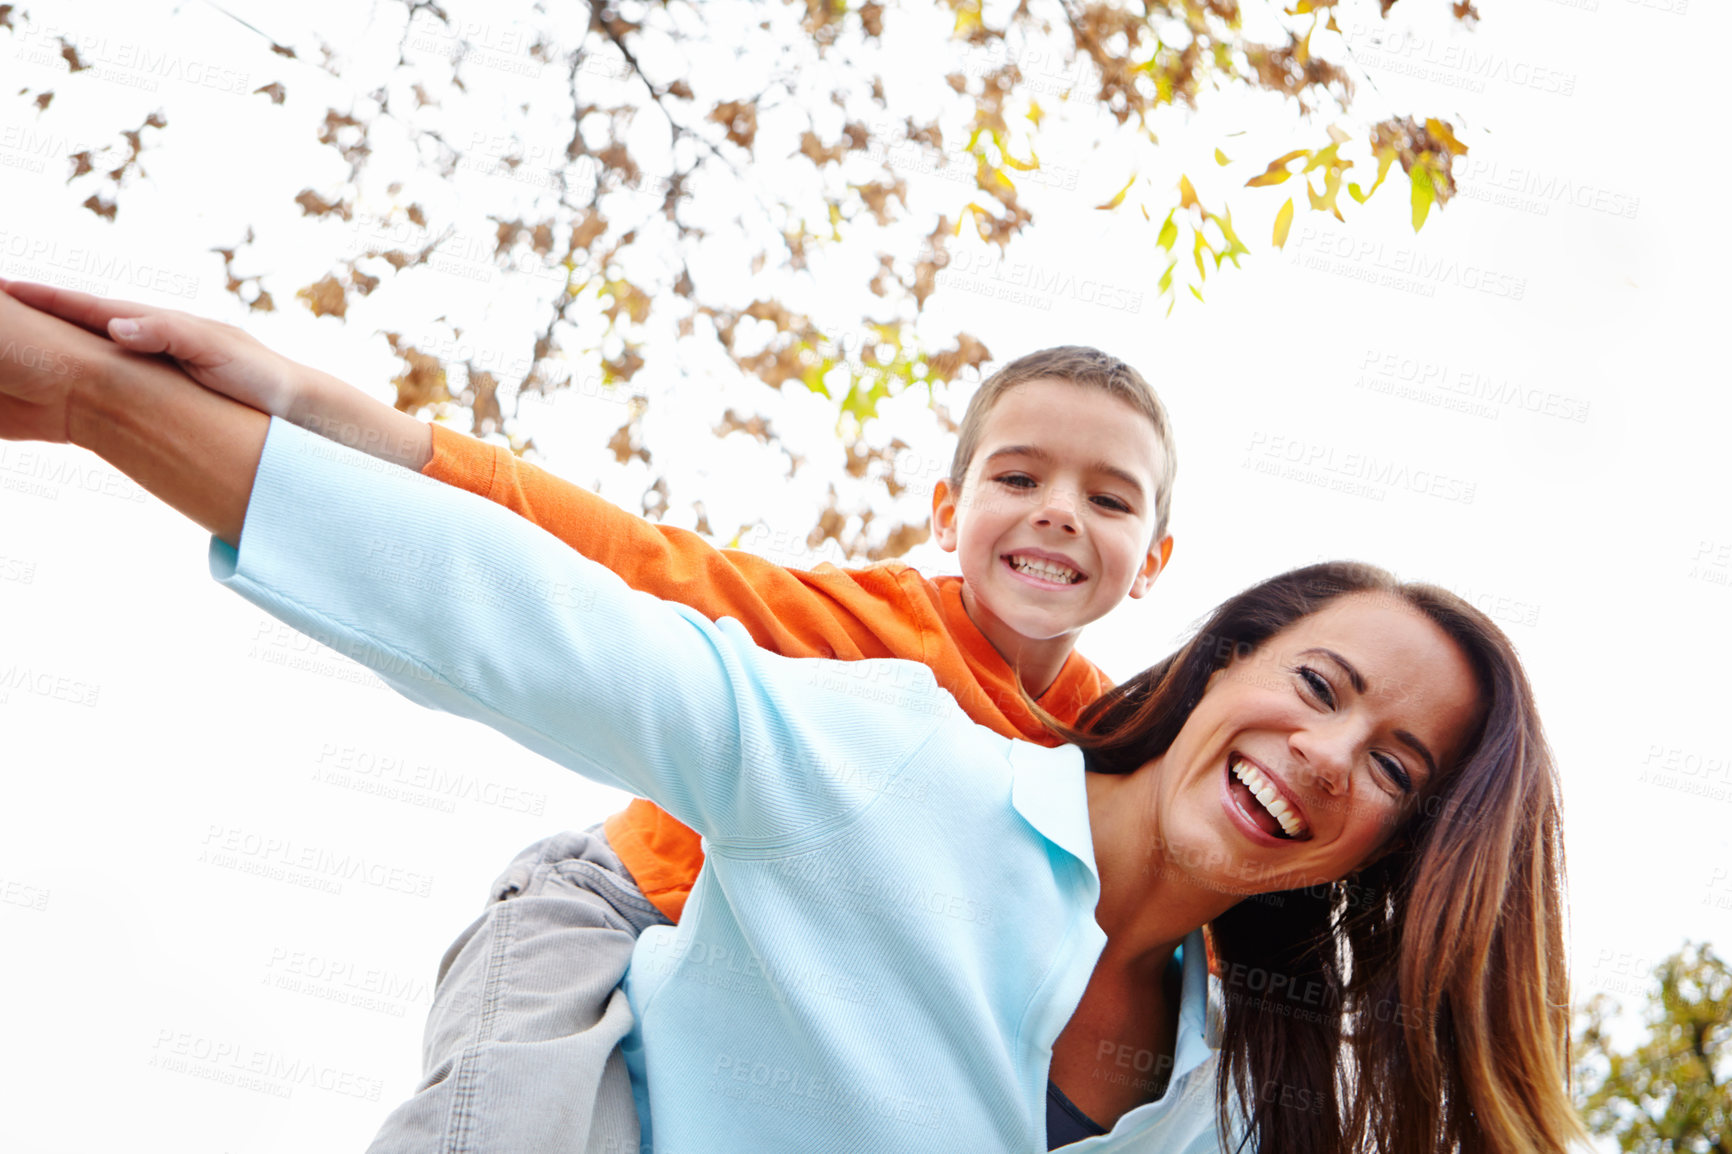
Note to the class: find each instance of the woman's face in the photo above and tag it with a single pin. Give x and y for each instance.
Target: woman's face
(1302, 759)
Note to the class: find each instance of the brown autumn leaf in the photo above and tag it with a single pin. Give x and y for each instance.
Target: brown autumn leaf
(584, 232)
(818, 152)
(6, 16)
(872, 18)
(739, 118)
(274, 90)
(102, 208)
(312, 204)
(655, 500)
(262, 303)
(70, 54)
(967, 353)
(682, 90)
(900, 539)
(363, 283)
(485, 413)
(422, 381)
(757, 427)
(326, 297)
(43, 99)
(623, 368)
(80, 165)
(283, 50)
(416, 216)
(1465, 11)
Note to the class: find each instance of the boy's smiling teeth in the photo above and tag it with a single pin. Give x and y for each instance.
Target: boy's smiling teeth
(1046, 570)
(1265, 792)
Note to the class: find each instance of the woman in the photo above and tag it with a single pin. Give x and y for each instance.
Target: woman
(908, 925)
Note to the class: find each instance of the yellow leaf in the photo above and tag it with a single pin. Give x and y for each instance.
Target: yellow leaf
(1442, 131)
(1169, 233)
(1120, 198)
(1035, 113)
(1221, 158)
(1423, 194)
(1324, 156)
(1187, 194)
(1277, 170)
(1283, 222)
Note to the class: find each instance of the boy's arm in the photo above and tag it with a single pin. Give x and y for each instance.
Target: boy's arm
(866, 614)
(831, 614)
(433, 589)
(195, 450)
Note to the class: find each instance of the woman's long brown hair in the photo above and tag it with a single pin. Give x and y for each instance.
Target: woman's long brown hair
(1421, 1006)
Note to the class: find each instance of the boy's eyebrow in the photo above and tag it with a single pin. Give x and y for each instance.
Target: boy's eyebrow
(1353, 675)
(1041, 454)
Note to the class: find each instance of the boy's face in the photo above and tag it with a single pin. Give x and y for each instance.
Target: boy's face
(1056, 519)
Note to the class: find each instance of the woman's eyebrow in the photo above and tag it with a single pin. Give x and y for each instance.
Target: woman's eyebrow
(1353, 675)
(1418, 747)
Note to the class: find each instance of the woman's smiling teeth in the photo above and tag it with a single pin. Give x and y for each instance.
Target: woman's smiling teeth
(1265, 792)
(1045, 570)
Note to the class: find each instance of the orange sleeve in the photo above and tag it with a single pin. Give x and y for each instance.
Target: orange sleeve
(825, 613)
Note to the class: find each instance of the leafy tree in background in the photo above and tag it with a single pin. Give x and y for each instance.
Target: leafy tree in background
(842, 150)
(1672, 1094)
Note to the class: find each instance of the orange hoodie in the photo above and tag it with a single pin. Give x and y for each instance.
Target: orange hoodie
(886, 610)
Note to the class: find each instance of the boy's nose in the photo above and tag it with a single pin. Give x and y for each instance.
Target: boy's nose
(1058, 511)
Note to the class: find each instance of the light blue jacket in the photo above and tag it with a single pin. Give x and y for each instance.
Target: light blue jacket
(895, 919)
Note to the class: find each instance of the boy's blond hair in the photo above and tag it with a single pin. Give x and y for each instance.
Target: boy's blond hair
(1084, 367)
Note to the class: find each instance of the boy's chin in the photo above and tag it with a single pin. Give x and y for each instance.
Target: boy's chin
(1036, 624)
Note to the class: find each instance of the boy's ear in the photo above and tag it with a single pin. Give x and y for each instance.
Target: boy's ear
(1152, 566)
(944, 516)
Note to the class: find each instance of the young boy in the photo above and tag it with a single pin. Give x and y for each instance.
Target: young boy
(1056, 505)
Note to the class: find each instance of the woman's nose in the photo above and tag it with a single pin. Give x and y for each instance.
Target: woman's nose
(1325, 758)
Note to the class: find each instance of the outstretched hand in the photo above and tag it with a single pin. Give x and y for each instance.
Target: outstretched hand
(42, 362)
(227, 360)
(220, 357)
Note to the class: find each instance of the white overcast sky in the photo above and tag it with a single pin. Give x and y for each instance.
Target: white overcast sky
(1530, 395)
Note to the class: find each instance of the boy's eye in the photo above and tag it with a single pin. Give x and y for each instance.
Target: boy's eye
(1016, 481)
(1394, 771)
(1317, 684)
(1108, 501)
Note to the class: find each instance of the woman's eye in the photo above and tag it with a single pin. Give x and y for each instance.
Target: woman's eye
(1394, 771)
(1317, 684)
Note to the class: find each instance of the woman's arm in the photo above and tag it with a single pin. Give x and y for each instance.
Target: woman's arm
(463, 607)
(858, 614)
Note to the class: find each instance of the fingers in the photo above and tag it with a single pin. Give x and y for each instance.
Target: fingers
(160, 333)
(82, 309)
